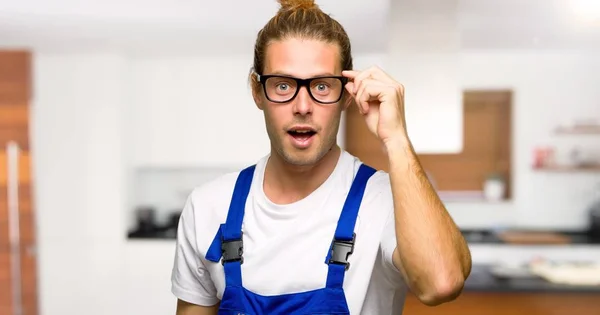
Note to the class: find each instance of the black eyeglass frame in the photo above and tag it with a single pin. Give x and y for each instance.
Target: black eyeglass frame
(301, 82)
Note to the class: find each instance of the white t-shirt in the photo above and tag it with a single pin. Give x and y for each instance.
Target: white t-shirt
(285, 245)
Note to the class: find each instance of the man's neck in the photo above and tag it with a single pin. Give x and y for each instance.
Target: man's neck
(285, 183)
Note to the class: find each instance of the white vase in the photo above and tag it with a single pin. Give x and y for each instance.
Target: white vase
(494, 189)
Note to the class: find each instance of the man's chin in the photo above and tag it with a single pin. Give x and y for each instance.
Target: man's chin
(308, 157)
(301, 159)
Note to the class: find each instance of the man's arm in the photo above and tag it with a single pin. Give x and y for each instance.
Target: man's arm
(431, 252)
(190, 278)
(185, 308)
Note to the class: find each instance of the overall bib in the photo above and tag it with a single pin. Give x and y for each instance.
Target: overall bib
(228, 247)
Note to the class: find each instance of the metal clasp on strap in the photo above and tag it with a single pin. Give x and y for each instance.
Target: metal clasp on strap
(232, 251)
(341, 251)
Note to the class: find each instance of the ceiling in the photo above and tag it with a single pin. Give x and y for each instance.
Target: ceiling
(169, 25)
(535, 24)
(230, 26)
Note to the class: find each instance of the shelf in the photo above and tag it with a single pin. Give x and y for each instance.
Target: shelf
(583, 130)
(568, 168)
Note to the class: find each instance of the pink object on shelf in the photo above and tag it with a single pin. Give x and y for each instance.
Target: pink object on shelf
(543, 156)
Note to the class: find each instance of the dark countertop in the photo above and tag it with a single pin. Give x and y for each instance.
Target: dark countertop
(472, 236)
(482, 280)
(153, 235)
(490, 237)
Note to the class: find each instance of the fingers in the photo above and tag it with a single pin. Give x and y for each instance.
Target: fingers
(358, 80)
(371, 90)
(357, 77)
(372, 84)
(373, 72)
(350, 73)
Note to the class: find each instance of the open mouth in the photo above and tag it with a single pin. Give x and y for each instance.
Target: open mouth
(302, 135)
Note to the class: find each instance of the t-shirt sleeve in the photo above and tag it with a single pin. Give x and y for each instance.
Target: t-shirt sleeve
(190, 279)
(388, 241)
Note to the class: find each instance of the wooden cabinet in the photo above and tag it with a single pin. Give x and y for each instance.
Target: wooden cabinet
(486, 144)
(510, 303)
(18, 276)
(15, 77)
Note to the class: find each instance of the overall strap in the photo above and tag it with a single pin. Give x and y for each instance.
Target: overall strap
(235, 216)
(343, 242)
(228, 244)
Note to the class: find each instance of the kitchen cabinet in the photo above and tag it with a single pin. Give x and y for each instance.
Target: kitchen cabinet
(510, 303)
(18, 278)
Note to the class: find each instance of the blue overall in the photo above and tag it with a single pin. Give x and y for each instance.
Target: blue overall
(228, 247)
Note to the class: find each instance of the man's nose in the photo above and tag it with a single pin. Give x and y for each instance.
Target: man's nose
(303, 104)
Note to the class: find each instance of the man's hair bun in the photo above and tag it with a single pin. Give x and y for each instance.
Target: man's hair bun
(293, 5)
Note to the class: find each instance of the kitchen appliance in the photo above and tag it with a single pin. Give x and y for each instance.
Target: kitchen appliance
(594, 217)
(594, 220)
(145, 220)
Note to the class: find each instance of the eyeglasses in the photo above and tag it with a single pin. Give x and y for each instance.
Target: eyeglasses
(282, 89)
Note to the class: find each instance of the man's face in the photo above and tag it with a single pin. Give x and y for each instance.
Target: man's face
(301, 130)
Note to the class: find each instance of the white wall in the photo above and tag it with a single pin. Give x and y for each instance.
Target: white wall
(96, 116)
(550, 89)
(80, 182)
(194, 111)
(85, 264)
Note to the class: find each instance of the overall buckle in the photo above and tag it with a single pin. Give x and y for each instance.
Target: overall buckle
(341, 251)
(232, 251)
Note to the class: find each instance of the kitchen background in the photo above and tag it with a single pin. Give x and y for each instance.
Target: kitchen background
(133, 104)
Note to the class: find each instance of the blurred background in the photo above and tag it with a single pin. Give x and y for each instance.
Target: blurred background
(111, 112)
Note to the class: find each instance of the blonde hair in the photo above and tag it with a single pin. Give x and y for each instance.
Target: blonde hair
(301, 19)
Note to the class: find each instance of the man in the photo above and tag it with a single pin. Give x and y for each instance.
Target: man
(309, 229)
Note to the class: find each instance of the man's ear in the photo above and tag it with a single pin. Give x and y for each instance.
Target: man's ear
(256, 95)
(256, 91)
